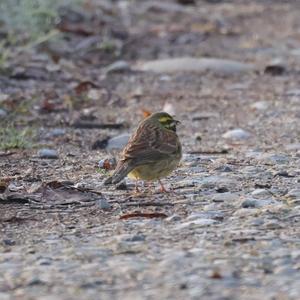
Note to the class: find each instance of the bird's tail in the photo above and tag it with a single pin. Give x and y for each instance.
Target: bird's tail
(121, 171)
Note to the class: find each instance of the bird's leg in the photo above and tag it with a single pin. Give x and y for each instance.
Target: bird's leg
(162, 188)
(137, 191)
(148, 184)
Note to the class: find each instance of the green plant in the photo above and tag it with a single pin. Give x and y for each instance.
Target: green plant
(11, 137)
(31, 19)
(4, 53)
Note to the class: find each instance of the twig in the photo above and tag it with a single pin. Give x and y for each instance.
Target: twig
(91, 125)
(147, 204)
(213, 152)
(143, 215)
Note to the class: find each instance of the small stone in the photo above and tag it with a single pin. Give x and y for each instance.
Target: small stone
(35, 281)
(260, 105)
(100, 144)
(48, 153)
(191, 64)
(294, 92)
(173, 218)
(118, 66)
(57, 132)
(53, 67)
(224, 197)
(94, 94)
(293, 194)
(257, 222)
(8, 242)
(5, 296)
(197, 223)
(273, 159)
(237, 134)
(118, 142)
(222, 189)
(3, 113)
(285, 270)
(45, 262)
(205, 215)
(3, 97)
(136, 238)
(293, 147)
(169, 108)
(255, 203)
(224, 169)
(273, 225)
(275, 69)
(261, 193)
(103, 204)
(122, 186)
(283, 173)
(249, 203)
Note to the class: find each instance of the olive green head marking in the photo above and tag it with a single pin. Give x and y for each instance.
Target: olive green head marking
(166, 120)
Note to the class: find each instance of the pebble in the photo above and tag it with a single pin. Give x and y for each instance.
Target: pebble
(118, 66)
(225, 169)
(293, 194)
(173, 218)
(294, 92)
(286, 270)
(118, 142)
(255, 203)
(196, 223)
(273, 158)
(215, 215)
(260, 193)
(260, 105)
(94, 94)
(273, 225)
(136, 238)
(245, 212)
(48, 153)
(293, 147)
(103, 204)
(5, 296)
(215, 182)
(237, 134)
(56, 132)
(191, 64)
(224, 197)
(169, 108)
(3, 113)
(3, 97)
(8, 242)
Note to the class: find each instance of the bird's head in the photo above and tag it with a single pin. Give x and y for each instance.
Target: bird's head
(165, 120)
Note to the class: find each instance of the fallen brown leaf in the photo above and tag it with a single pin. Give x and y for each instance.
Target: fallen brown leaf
(143, 215)
(84, 86)
(146, 113)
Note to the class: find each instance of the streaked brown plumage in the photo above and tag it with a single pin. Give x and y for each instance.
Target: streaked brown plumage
(152, 152)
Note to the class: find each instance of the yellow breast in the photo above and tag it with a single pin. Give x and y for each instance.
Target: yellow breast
(153, 171)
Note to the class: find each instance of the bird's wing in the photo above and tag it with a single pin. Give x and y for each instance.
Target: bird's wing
(150, 143)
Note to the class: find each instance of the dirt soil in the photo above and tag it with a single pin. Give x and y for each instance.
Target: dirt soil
(229, 229)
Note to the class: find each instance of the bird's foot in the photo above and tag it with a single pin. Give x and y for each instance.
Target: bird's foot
(162, 188)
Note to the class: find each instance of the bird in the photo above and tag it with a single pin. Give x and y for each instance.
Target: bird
(152, 152)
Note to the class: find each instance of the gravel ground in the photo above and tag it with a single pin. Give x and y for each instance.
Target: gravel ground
(230, 228)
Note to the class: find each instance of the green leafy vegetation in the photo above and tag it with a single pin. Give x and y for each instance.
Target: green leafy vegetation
(31, 19)
(12, 138)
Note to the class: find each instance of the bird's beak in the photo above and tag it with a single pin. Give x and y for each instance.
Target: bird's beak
(177, 122)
